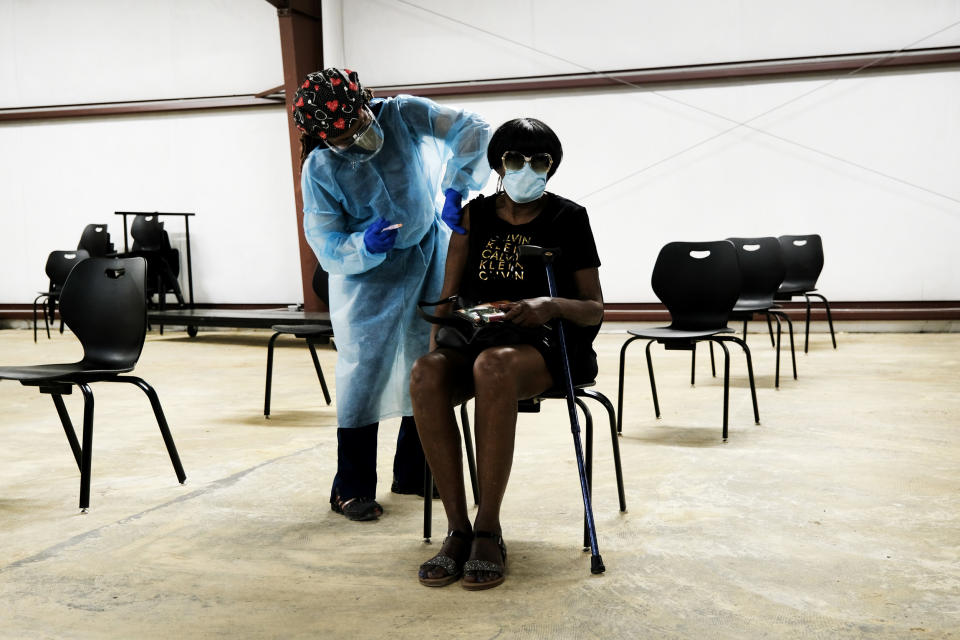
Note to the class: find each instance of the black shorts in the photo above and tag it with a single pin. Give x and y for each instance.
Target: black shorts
(583, 359)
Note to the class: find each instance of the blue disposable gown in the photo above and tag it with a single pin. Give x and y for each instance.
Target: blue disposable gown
(427, 149)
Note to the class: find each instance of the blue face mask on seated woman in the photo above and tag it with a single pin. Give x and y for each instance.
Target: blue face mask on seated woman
(525, 177)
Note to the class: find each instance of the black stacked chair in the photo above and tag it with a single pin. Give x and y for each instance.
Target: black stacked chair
(151, 242)
(803, 258)
(104, 305)
(313, 334)
(95, 240)
(761, 272)
(699, 282)
(59, 265)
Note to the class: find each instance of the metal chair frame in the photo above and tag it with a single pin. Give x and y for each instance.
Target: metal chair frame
(103, 302)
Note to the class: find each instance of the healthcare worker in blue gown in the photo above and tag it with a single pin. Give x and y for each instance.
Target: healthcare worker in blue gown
(382, 180)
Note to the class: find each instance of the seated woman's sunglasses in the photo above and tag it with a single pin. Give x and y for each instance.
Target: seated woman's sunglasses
(514, 161)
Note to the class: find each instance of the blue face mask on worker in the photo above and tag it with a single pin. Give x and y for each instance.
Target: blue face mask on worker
(364, 144)
(525, 177)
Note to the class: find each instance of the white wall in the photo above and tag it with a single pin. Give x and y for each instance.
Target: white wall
(231, 167)
(416, 41)
(82, 51)
(884, 240)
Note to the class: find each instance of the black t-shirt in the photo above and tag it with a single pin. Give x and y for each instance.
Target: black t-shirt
(494, 270)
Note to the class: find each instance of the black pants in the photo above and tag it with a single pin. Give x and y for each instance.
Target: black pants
(357, 461)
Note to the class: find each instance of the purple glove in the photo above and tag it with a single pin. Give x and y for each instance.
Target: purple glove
(452, 213)
(376, 240)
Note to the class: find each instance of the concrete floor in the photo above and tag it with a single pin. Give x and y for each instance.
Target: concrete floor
(837, 517)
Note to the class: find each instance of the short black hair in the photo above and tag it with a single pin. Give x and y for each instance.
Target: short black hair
(528, 136)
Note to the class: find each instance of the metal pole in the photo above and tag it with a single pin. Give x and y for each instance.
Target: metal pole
(596, 562)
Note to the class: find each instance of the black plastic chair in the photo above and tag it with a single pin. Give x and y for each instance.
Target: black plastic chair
(532, 405)
(95, 240)
(151, 242)
(59, 264)
(103, 303)
(314, 334)
(699, 282)
(761, 272)
(803, 258)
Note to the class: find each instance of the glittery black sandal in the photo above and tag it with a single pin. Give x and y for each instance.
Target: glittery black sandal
(453, 566)
(471, 568)
(359, 509)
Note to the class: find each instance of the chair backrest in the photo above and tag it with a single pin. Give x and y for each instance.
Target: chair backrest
(803, 258)
(148, 234)
(104, 304)
(699, 282)
(59, 265)
(761, 269)
(95, 240)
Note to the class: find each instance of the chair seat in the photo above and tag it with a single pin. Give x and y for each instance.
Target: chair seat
(556, 393)
(795, 288)
(304, 330)
(746, 314)
(72, 372)
(532, 405)
(752, 305)
(667, 333)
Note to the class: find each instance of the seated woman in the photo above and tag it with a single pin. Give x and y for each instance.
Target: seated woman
(483, 265)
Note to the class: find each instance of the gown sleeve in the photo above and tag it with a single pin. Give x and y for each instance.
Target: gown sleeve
(325, 226)
(463, 135)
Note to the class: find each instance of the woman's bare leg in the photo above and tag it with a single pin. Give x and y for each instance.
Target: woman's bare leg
(438, 381)
(502, 375)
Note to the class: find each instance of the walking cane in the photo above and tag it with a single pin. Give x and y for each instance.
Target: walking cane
(548, 256)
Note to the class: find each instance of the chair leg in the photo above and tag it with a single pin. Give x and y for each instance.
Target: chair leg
(161, 298)
(776, 378)
(47, 318)
(86, 450)
(161, 422)
(745, 330)
(169, 282)
(54, 312)
(653, 382)
(427, 502)
(35, 300)
(588, 466)
(753, 387)
(713, 364)
(623, 351)
(468, 445)
(770, 331)
(693, 365)
(806, 335)
(68, 427)
(726, 387)
(316, 365)
(793, 352)
(602, 399)
(51, 313)
(266, 395)
(826, 306)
